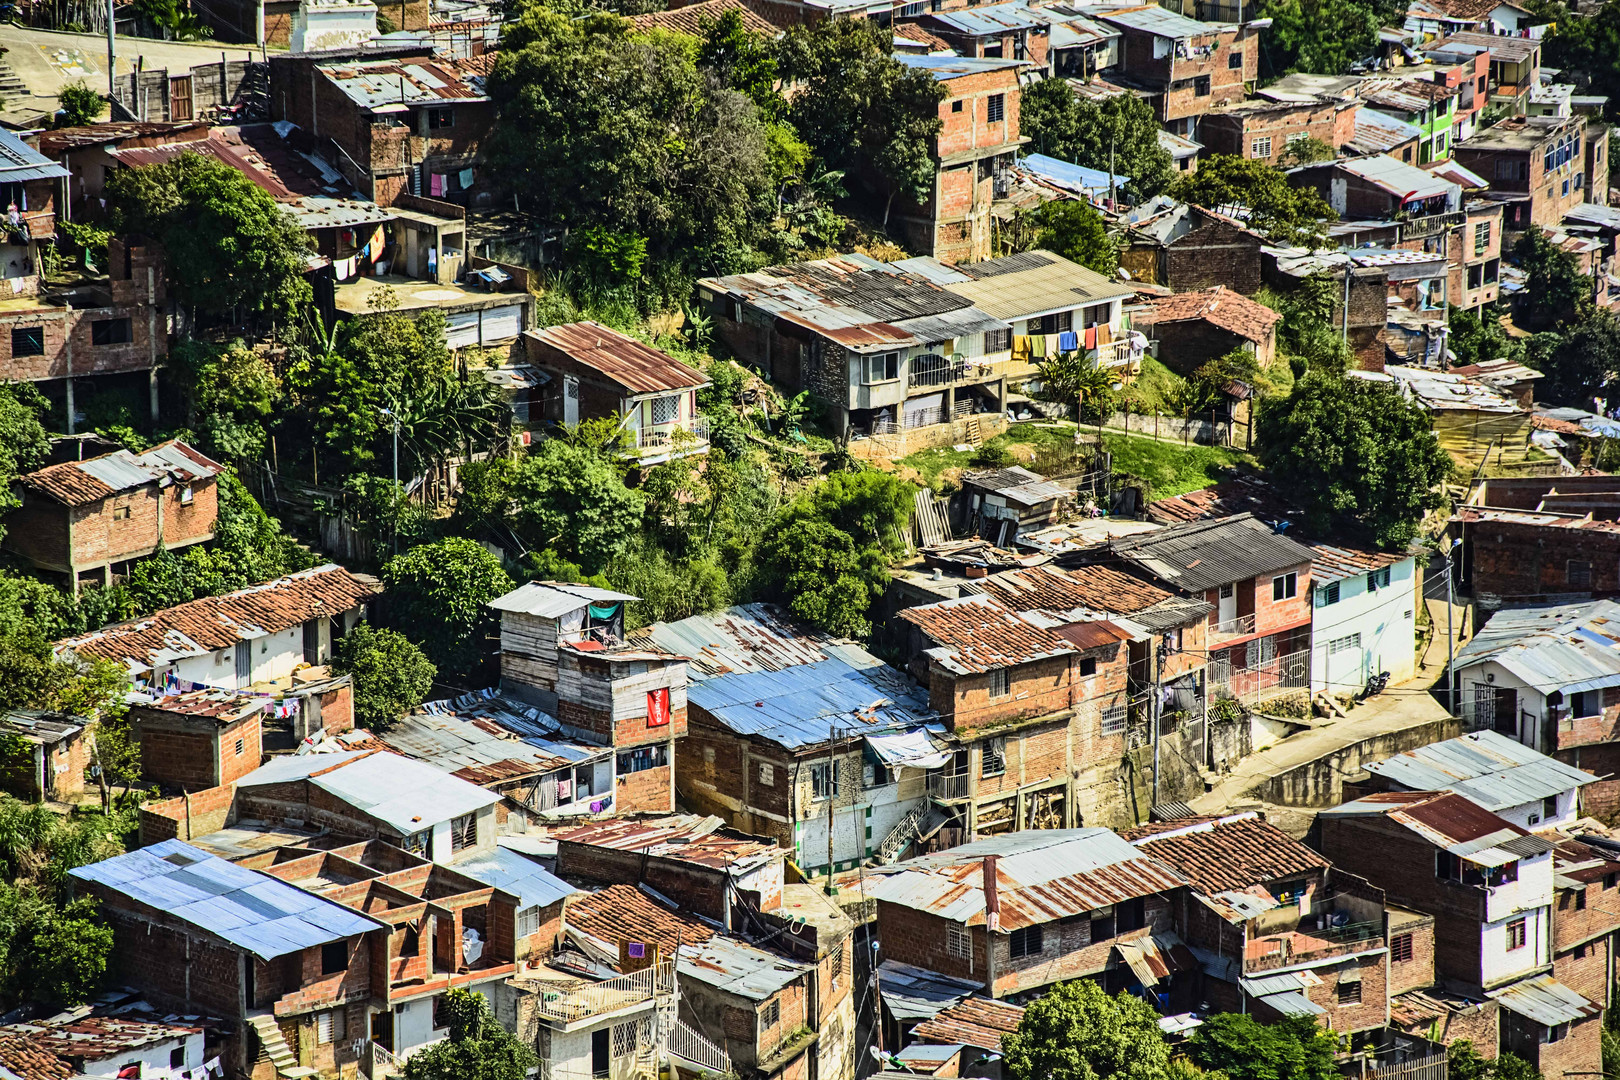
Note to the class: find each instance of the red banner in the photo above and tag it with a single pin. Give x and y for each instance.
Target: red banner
(658, 707)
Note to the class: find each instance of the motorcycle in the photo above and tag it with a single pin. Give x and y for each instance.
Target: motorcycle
(1375, 685)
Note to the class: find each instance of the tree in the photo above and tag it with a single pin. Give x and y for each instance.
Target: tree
(437, 595)
(1074, 229)
(23, 442)
(859, 108)
(1283, 213)
(478, 1047)
(1555, 291)
(1305, 150)
(1244, 1049)
(391, 675)
(1309, 331)
(230, 392)
(823, 576)
(1323, 37)
(227, 243)
(1584, 363)
(1077, 1032)
(871, 506)
(77, 105)
(1120, 131)
(1354, 452)
(574, 500)
(1071, 377)
(1475, 338)
(1465, 1063)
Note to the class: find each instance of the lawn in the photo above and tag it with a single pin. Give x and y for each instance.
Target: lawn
(1051, 442)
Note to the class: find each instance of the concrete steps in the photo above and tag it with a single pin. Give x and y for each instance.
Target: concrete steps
(274, 1046)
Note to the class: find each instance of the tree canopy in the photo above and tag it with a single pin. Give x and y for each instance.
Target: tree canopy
(1062, 125)
(574, 500)
(391, 675)
(437, 594)
(23, 441)
(1354, 453)
(1555, 290)
(478, 1048)
(1323, 37)
(1245, 1049)
(1278, 210)
(1074, 229)
(1077, 1032)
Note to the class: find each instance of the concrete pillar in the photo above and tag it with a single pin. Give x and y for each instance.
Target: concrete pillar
(67, 343)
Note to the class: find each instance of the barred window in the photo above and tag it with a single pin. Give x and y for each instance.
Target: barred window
(957, 942)
(823, 781)
(1516, 936)
(993, 758)
(1350, 993)
(771, 1014)
(1000, 685)
(624, 1039)
(463, 832)
(1262, 147)
(1378, 579)
(1113, 719)
(994, 340)
(1026, 941)
(528, 921)
(996, 108)
(1400, 948)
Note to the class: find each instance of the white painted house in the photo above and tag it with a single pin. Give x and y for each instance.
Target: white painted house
(254, 635)
(1363, 618)
(130, 1040)
(1496, 773)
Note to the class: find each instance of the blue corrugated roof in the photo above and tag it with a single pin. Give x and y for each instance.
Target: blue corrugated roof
(1066, 174)
(252, 910)
(954, 67)
(518, 874)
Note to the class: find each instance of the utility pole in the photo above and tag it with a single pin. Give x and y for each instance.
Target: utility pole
(832, 793)
(1451, 639)
(1154, 708)
(112, 68)
(1113, 199)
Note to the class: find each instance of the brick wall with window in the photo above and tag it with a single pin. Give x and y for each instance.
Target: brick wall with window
(1411, 953)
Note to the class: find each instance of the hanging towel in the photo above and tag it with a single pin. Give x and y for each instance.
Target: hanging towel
(1091, 338)
(1020, 347)
(436, 184)
(1068, 341)
(466, 179)
(1104, 335)
(1037, 346)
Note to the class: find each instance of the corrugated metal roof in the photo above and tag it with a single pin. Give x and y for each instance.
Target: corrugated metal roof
(701, 841)
(1451, 822)
(1202, 555)
(406, 795)
(1546, 1001)
(1294, 1003)
(1009, 290)
(976, 1021)
(1041, 876)
(531, 882)
(1233, 852)
(1162, 22)
(992, 19)
(1398, 178)
(1567, 647)
(913, 993)
(469, 743)
(551, 599)
(79, 483)
(372, 84)
(40, 727)
(1485, 767)
(945, 68)
(1378, 132)
(738, 967)
(759, 673)
(633, 365)
(251, 910)
(20, 162)
(977, 633)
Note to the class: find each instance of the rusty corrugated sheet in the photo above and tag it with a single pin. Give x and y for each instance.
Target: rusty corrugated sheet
(683, 837)
(633, 365)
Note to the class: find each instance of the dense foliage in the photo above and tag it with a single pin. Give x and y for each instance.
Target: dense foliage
(23, 440)
(391, 675)
(437, 595)
(1242, 1048)
(1121, 131)
(478, 1047)
(1283, 213)
(1077, 1032)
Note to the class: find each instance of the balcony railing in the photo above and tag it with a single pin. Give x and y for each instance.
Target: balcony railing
(583, 1002)
(1241, 626)
(939, 371)
(668, 436)
(950, 785)
(1301, 946)
(697, 1052)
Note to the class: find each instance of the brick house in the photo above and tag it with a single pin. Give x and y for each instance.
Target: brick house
(200, 739)
(28, 190)
(1586, 919)
(258, 634)
(79, 517)
(764, 1005)
(773, 759)
(1442, 17)
(1024, 697)
(1006, 31)
(1258, 585)
(1017, 913)
(1185, 67)
(1465, 65)
(1264, 130)
(595, 372)
(46, 754)
(1194, 328)
(1475, 252)
(1542, 157)
(1380, 187)
(1493, 771)
(405, 121)
(978, 141)
(1186, 248)
(1311, 936)
(1505, 70)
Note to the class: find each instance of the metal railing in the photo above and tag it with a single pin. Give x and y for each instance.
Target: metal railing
(1267, 679)
(1430, 1067)
(900, 835)
(610, 995)
(665, 436)
(951, 372)
(384, 1062)
(693, 1049)
(1238, 627)
(950, 785)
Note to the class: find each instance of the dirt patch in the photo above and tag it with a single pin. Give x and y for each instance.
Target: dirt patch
(1022, 452)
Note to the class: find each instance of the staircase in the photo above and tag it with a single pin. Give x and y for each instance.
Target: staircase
(899, 837)
(274, 1048)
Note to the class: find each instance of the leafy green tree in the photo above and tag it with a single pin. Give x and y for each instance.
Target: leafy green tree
(872, 506)
(478, 1047)
(227, 243)
(576, 502)
(859, 108)
(437, 595)
(391, 675)
(230, 391)
(1555, 290)
(23, 442)
(1476, 339)
(1510, 1066)
(1062, 125)
(1465, 1063)
(823, 576)
(1244, 1049)
(1077, 1032)
(1585, 362)
(1587, 44)
(1305, 150)
(1354, 452)
(77, 105)
(1074, 230)
(1309, 332)
(744, 62)
(1283, 213)
(1323, 37)
(1070, 377)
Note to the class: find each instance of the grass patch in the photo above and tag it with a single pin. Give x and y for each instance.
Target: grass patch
(1050, 444)
(1169, 468)
(1156, 387)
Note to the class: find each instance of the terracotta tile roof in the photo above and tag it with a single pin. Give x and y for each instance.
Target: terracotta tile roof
(623, 913)
(975, 1021)
(1220, 306)
(694, 19)
(79, 483)
(1462, 9)
(97, 1037)
(913, 32)
(638, 367)
(216, 622)
(25, 1057)
(1100, 588)
(978, 633)
(1225, 854)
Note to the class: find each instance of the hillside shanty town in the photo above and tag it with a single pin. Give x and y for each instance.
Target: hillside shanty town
(809, 540)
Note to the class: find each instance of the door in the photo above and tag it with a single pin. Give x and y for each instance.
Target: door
(312, 642)
(244, 663)
(382, 1028)
(570, 399)
(1345, 670)
(601, 1062)
(180, 97)
(1506, 713)
(1227, 609)
(501, 324)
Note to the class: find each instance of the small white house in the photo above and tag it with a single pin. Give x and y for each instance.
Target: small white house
(1496, 773)
(127, 1041)
(1362, 618)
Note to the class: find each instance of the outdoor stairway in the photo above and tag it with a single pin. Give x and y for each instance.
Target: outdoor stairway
(273, 1046)
(898, 837)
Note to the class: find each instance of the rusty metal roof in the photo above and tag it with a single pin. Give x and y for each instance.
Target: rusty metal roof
(54, 143)
(1200, 555)
(222, 706)
(695, 19)
(977, 633)
(93, 1037)
(377, 84)
(976, 1021)
(80, 483)
(1233, 852)
(40, 727)
(701, 841)
(635, 366)
(1042, 875)
(1451, 822)
(1101, 588)
(215, 622)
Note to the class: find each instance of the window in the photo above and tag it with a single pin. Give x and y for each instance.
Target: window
(1234, 61)
(1549, 807)
(771, 1014)
(109, 332)
(1113, 719)
(624, 1039)
(996, 108)
(1610, 880)
(1400, 948)
(1578, 573)
(643, 758)
(1000, 685)
(1260, 148)
(1344, 644)
(439, 119)
(186, 495)
(1515, 935)
(334, 957)
(1201, 86)
(528, 922)
(835, 968)
(997, 340)
(956, 106)
(823, 782)
(1026, 941)
(1446, 866)
(463, 832)
(957, 942)
(666, 410)
(1580, 900)
(329, 1027)
(1566, 188)
(418, 843)
(1349, 992)
(1378, 579)
(993, 758)
(28, 341)
(441, 1018)
(121, 513)
(1327, 594)
(1482, 237)
(238, 747)
(883, 367)
(1088, 666)
(1284, 587)
(767, 774)
(177, 1057)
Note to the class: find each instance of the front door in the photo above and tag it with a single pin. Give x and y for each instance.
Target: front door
(601, 1064)
(382, 1029)
(570, 399)
(244, 663)
(1228, 605)
(312, 642)
(1507, 712)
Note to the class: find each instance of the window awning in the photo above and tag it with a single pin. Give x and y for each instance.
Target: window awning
(915, 748)
(1351, 974)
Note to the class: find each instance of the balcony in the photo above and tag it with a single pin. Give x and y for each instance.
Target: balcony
(1242, 626)
(949, 787)
(1303, 946)
(566, 1008)
(1430, 225)
(940, 371)
(674, 439)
